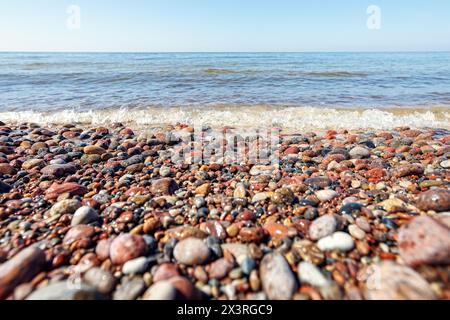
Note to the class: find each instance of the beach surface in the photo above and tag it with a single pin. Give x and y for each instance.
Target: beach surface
(109, 211)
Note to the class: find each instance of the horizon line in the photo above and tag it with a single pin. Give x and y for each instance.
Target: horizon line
(227, 52)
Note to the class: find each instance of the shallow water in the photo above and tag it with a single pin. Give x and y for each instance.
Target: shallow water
(377, 90)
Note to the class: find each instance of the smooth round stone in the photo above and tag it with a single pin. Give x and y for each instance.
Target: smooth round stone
(276, 230)
(318, 182)
(130, 289)
(424, 241)
(391, 281)
(135, 266)
(165, 271)
(164, 171)
(326, 195)
(94, 150)
(248, 265)
(340, 241)
(199, 202)
(356, 232)
(323, 227)
(65, 290)
(435, 199)
(127, 247)
(160, 291)
(277, 279)
(261, 196)
(220, 268)
(191, 251)
(100, 279)
(84, 215)
(310, 274)
(351, 209)
(283, 196)
(68, 206)
(445, 164)
(359, 153)
(240, 192)
(82, 233)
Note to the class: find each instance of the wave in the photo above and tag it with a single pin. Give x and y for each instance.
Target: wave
(335, 74)
(220, 71)
(295, 118)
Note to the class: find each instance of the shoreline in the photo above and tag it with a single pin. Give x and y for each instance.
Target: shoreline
(110, 212)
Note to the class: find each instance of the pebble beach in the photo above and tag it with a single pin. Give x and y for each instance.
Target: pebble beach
(105, 212)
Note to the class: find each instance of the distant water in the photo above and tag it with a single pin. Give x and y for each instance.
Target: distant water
(277, 87)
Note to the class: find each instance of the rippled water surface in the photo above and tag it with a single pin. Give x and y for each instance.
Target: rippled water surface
(98, 81)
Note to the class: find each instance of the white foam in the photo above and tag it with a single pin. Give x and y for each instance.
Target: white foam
(298, 118)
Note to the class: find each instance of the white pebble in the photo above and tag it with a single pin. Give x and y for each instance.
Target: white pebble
(340, 241)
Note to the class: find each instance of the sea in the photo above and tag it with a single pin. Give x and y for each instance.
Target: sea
(290, 90)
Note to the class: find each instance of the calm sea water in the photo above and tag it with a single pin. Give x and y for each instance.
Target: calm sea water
(54, 81)
(44, 83)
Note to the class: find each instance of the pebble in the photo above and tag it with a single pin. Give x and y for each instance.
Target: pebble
(81, 233)
(66, 206)
(283, 196)
(274, 270)
(424, 241)
(435, 200)
(310, 274)
(276, 230)
(66, 290)
(127, 247)
(340, 241)
(135, 266)
(19, 269)
(445, 164)
(260, 196)
(103, 281)
(391, 281)
(160, 291)
(409, 170)
(129, 289)
(356, 232)
(322, 227)
(84, 215)
(220, 268)
(165, 186)
(359, 153)
(191, 251)
(318, 182)
(326, 195)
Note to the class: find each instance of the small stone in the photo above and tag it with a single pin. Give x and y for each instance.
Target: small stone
(94, 150)
(351, 209)
(277, 279)
(276, 230)
(4, 187)
(238, 251)
(6, 169)
(67, 206)
(202, 190)
(283, 196)
(101, 280)
(127, 247)
(130, 289)
(445, 164)
(261, 196)
(308, 251)
(191, 251)
(81, 233)
(408, 170)
(310, 274)
(340, 241)
(102, 249)
(84, 215)
(356, 232)
(58, 170)
(65, 290)
(326, 195)
(71, 188)
(184, 232)
(220, 268)
(19, 269)
(135, 266)
(435, 200)
(391, 281)
(165, 271)
(359, 153)
(261, 170)
(318, 182)
(164, 171)
(162, 290)
(33, 163)
(165, 186)
(240, 192)
(424, 241)
(322, 227)
(254, 234)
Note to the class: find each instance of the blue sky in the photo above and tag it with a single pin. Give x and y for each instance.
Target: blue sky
(224, 25)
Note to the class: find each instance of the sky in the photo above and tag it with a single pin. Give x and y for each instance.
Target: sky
(224, 25)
